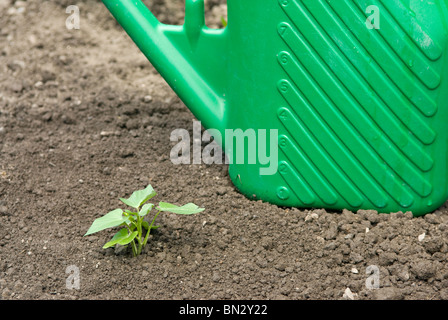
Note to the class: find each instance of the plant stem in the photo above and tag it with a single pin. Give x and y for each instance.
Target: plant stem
(134, 248)
(140, 243)
(149, 229)
(139, 230)
(139, 226)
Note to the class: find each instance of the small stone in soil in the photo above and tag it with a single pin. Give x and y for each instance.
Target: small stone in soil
(3, 210)
(348, 294)
(389, 293)
(424, 269)
(126, 153)
(421, 237)
(216, 277)
(132, 124)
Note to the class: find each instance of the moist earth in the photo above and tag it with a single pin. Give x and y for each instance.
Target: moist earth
(86, 119)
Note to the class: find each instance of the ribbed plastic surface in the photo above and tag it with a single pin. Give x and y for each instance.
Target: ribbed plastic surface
(362, 106)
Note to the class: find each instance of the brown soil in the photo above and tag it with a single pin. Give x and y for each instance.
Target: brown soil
(85, 119)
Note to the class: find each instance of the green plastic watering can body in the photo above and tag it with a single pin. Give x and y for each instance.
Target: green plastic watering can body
(358, 108)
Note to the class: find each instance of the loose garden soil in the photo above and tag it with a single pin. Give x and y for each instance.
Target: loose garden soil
(86, 119)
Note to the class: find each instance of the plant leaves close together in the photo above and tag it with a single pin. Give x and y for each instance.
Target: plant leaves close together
(189, 208)
(122, 237)
(139, 197)
(110, 220)
(133, 221)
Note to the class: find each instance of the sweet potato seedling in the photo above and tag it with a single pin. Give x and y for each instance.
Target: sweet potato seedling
(223, 22)
(135, 229)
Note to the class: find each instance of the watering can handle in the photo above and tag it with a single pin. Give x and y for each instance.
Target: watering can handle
(185, 55)
(194, 12)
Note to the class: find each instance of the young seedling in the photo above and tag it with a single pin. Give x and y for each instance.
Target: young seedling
(223, 22)
(135, 229)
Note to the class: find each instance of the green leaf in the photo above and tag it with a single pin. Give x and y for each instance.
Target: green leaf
(123, 233)
(110, 220)
(139, 197)
(127, 240)
(122, 237)
(146, 209)
(189, 208)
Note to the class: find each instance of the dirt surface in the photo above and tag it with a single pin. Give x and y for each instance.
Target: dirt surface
(85, 119)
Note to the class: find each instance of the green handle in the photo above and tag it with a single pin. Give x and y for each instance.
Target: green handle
(188, 57)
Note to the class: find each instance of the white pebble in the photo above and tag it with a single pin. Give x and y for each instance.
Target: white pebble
(421, 237)
(311, 216)
(348, 294)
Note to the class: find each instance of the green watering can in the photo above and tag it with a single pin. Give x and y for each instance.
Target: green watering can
(354, 93)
